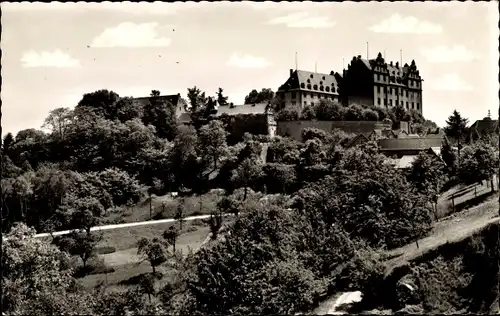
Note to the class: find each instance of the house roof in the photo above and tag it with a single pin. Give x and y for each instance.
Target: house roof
(174, 99)
(436, 151)
(482, 127)
(259, 108)
(355, 139)
(311, 81)
(421, 143)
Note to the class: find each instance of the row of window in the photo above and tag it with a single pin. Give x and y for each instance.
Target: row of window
(293, 95)
(393, 79)
(394, 91)
(315, 87)
(402, 104)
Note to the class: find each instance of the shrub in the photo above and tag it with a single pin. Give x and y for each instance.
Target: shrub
(104, 250)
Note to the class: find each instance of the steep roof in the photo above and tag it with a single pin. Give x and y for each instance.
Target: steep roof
(259, 108)
(311, 81)
(483, 127)
(421, 143)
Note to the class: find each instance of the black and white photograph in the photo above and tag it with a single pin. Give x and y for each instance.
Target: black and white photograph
(250, 158)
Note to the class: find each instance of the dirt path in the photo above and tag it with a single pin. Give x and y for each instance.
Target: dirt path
(450, 229)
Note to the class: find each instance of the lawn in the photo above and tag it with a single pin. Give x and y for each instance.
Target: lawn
(163, 207)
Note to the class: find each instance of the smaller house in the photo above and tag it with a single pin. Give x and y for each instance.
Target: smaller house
(482, 128)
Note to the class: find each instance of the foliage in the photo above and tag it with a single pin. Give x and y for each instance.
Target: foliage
(171, 235)
(221, 99)
(197, 99)
(456, 126)
(479, 162)
(162, 115)
(154, 251)
(449, 157)
(255, 96)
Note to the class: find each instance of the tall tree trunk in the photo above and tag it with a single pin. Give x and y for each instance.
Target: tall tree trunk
(154, 269)
(149, 296)
(245, 194)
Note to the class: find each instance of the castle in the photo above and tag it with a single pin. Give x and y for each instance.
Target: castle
(366, 82)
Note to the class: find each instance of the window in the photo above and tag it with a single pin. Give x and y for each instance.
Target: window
(294, 95)
(418, 106)
(378, 89)
(378, 101)
(309, 86)
(302, 85)
(390, 102)
(406, 93)
(305, 103)
(401, 103)
(327, 89)
(400, 91)
(378, 77)
(385, 101)
(315, 87)
(407, 105)
(413, 105)
(385, 89)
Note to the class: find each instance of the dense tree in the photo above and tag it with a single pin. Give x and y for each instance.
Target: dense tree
(427, 174)
(265, 95)
(197, 99)
(479, 162)
(221, 99)
(127, 109)
(161, 114)
(212, 142)
(171, 235)
(8, 141)
(246, 174)
(101, 102)
(456, 126)
(36, 276)
(449, 157)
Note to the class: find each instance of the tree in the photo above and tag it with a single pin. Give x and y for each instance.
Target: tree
(8, 141)
(427, 175)
(449, 157)
(152, 250)
(101, 102)
(58, 121)
(215, 223)
(171, 235)
(456, 127)
(197, 99)
(79, 244)
(246, 174)
(212, 142)
(33, 271)
(221, 99)
(264, 95)
(147, 285)
(179, 214)
(480, 162)
(162, 115)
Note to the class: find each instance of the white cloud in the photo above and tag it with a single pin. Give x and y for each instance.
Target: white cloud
(450, 82)
(247, 61)
(129, 34)
(408, 24)
(444, 54)
(303, 20)
(56, 58)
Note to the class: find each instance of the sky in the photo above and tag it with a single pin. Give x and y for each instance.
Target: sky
(53, 53)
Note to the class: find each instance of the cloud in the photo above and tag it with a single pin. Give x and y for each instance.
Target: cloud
(56, 58)
(303, 20)
(409, 24)
(451, 82)
(129, 34)
(247, 61)
(443, 54)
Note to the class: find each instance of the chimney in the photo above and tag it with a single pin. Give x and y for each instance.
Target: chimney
(391, 62)
(359, 56)
(397, 64)
(291, 72)
(331, 73)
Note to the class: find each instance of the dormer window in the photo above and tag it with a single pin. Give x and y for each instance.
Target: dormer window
(333, 89)
(315, 87)
(311, 76)
(309, 86)
(302, 85)
(308, 80)
(327, 89)
(321, 82)
(321, 88)
(323, 77)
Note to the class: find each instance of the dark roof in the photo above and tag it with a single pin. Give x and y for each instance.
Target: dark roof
(421, 143)
(307, 81)
(174, 99)
(482, 127)
(259, 108)
(355, 139)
